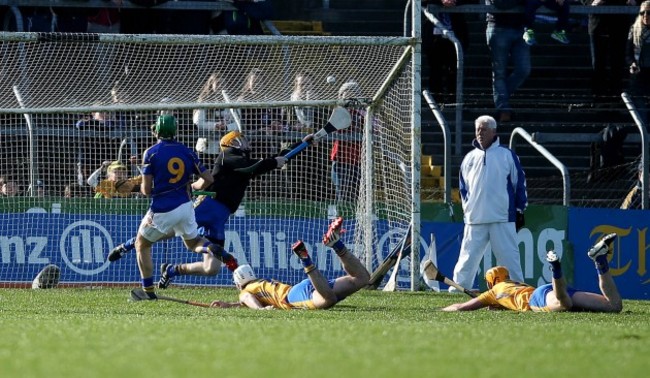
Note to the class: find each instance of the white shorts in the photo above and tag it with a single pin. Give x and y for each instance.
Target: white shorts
(181, 220)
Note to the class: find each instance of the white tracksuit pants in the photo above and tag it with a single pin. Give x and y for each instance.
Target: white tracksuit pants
(503, 239)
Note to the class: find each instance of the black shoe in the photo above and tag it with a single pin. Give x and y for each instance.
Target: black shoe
(140, 295)
(117, 253)
(165, 280)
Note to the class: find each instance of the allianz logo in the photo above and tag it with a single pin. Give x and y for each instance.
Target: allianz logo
(84, 245)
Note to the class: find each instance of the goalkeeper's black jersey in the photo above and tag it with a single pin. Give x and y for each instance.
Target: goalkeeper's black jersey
(231, 177)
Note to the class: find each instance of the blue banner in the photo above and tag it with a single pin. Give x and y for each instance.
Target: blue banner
(80, 243)
(628, 262)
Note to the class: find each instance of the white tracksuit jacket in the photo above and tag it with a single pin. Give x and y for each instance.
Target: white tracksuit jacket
(492, 185)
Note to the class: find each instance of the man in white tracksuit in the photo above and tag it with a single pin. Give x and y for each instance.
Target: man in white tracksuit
(493, 192)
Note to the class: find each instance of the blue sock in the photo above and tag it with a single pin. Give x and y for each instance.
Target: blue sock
(338, 247)
(306, 262)
(171, 271)
(130, 244)
(601, 264)
(147, 284)
(556, 268)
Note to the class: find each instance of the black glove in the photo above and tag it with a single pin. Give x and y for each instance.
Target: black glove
(520, 221)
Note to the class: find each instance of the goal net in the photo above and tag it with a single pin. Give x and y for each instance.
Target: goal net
(69, 103)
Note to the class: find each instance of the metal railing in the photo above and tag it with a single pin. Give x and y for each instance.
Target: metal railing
(446, 135)
(566, 181)
(645, 144)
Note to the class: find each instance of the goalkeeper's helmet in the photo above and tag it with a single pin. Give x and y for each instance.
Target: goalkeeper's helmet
(243, 275)
(495, 275)
(235, 139)
(165, 127)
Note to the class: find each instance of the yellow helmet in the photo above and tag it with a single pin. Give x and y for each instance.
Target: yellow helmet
(235, 139)
(495, 275)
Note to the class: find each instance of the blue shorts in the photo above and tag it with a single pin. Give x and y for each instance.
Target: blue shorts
(211, 216)
(537, 301)
(301, 295)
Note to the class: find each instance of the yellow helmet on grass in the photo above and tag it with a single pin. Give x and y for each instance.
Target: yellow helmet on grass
(495, 275)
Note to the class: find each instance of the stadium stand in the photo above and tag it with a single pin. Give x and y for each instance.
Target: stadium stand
(555, 100)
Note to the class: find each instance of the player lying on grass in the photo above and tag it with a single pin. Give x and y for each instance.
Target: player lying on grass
(315, 292)
(556, 296)
(233, 171)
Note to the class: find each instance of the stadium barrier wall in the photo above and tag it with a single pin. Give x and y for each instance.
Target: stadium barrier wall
(41, 232)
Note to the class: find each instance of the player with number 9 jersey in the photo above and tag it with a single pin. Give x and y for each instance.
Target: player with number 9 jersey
(171, 164)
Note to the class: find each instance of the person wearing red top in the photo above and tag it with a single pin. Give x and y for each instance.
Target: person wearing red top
(346, 151)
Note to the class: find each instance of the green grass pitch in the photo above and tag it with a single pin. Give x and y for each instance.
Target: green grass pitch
(99, 333)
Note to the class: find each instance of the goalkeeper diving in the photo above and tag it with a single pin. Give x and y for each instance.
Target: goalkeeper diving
(313, 293)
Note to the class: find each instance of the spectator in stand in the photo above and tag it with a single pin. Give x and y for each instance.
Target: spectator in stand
(633, 198)
(248, 18)
(210, 121)
(440, 52)
(105, 20)
(260, 121)
(503, 34)
(638, 59)
(608, 37)
(559, 6)
(100, 120)
(303, 90)
(116, 184)
(10, 188)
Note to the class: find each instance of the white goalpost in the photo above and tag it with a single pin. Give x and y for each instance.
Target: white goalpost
(69, 103)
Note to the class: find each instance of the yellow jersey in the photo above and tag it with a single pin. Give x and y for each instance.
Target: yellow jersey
(509, 294)
(106, 188)
(270, 293)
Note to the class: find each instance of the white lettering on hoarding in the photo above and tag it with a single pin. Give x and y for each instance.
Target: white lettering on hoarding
(82, 244)
(20, 246)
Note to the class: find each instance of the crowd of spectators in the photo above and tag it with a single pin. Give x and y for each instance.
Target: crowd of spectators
(619, 56)
(510, 38)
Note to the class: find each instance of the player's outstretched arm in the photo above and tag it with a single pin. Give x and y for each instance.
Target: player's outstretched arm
(222, 304)
(249, 300)
(471, 305)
